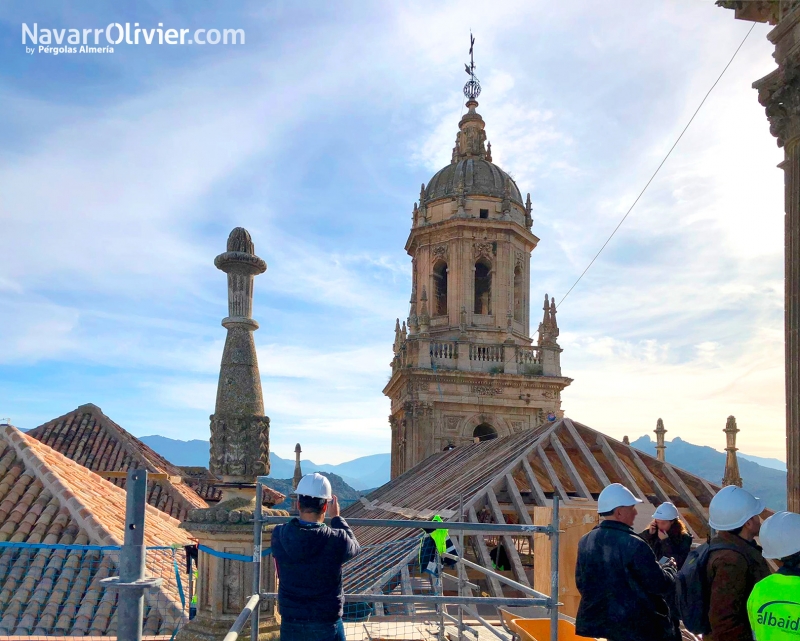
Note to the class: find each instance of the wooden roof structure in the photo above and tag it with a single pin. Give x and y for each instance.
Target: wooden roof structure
(502, 480)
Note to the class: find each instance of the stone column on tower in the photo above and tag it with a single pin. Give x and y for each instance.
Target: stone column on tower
(239, 453)
(731, 476)
(661, 447)
(779, 93)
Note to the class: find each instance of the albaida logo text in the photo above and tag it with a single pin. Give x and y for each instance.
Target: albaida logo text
(779, 621)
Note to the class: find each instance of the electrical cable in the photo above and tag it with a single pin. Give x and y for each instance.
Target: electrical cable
(655, 173)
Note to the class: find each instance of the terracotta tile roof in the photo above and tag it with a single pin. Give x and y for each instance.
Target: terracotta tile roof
(201, 480)
(46, 498)
(89, 437)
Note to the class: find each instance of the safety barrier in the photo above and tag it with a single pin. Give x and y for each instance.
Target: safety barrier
(374, 601)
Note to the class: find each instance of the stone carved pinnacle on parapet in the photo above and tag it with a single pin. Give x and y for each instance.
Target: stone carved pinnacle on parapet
(548, 328)
(661, 447)
(528, 210)
(731, 476)
(239, 430)
(298, 472)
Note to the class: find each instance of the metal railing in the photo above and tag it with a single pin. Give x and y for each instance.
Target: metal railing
(464, 603)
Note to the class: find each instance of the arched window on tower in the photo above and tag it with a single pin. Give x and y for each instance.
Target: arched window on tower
(518, 302)
(484, 432)
(483, 287)
(440, 288)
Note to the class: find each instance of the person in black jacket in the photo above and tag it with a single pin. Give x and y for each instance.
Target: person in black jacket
(309, 556)
(667, 535)
(622, 585)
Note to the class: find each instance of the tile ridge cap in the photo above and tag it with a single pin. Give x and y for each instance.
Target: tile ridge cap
(56, 485)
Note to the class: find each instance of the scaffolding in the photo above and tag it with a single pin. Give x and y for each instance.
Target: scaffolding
(393, 593)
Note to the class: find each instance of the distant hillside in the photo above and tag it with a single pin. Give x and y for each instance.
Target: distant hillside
(346, 494)
(768, 483)
(359, 474)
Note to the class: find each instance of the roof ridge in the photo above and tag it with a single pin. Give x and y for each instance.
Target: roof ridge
(138, 450)
(58, 486)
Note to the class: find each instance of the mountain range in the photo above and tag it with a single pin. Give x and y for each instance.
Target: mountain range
(364, 473)
(765, 477)
(765, 482)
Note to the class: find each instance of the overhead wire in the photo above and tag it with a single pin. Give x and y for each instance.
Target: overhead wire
(661, 164)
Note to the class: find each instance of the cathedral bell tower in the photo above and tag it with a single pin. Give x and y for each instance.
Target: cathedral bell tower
(465, 366)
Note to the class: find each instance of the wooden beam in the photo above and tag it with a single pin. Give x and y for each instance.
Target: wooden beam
(516, 499)
(405, 588)
(483, 553)
(569, 466)
(685, 492)
(663, 497)
(508, 542)
(620, 467)
(551, 474)
(587, 455)
(537, 490)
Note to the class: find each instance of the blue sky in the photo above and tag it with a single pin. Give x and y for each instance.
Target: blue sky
(122, 174)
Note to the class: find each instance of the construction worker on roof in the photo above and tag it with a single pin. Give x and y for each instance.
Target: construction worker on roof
(622, 585)
(774, 604)
(309, 556)
(435, 543)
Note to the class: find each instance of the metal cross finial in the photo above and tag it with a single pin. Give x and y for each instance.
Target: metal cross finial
(473, 87)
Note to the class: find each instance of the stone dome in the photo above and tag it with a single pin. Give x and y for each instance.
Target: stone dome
(480, 178)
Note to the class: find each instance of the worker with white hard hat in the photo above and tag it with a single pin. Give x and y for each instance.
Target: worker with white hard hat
(667, 535)
(622, 585)
(774, 603)
(309, 556)
(734, 568)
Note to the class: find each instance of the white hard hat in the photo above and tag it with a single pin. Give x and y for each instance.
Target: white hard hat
(614, 496)
(314, 485)
(666, 512)
(780, 535)
(732, 507)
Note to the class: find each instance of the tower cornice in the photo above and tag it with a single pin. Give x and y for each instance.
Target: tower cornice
(473, 224)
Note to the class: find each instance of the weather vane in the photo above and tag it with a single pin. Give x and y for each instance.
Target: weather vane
(473, 87)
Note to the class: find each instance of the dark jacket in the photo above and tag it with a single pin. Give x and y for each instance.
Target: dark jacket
(309, 558)
(622, 587)
(677, 544)
(731, 576)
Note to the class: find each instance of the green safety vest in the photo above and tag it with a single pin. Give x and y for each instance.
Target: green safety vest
(774, 608)
(439, 536)
(194, 588)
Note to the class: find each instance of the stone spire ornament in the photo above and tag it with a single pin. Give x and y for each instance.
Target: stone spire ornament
(298, 473)
(626, 440)
(731, 476)
(239, 429)
(661, 447)
(239, 453)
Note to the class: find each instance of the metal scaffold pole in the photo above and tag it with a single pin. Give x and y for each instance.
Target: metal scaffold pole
(257, 534)
(131, 581)
(554, 572)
